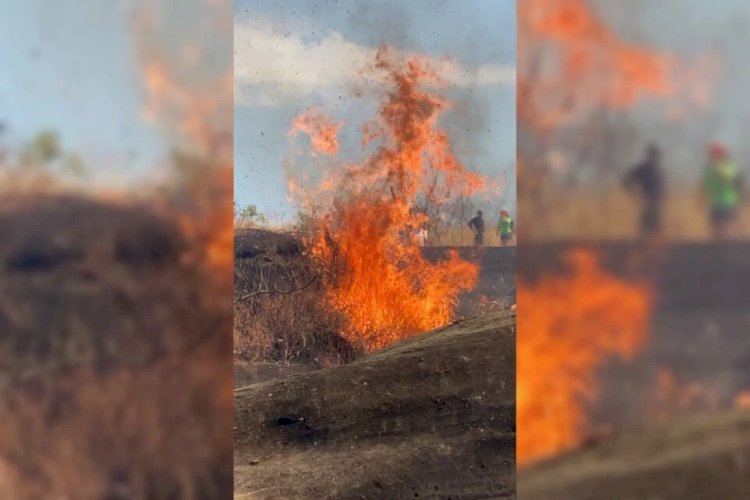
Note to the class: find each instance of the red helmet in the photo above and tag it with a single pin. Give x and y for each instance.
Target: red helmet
(503, 212)
(717, 151)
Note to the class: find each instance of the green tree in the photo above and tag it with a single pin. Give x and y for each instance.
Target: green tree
(247, 215)
(42, 150)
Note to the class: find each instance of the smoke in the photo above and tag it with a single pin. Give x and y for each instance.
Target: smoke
(278, 67)
(711, 41)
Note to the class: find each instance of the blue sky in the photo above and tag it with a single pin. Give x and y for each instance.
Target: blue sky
(290, 55)
(70, 67)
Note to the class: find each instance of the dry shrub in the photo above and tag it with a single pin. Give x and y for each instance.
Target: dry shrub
(280, 307)
(115, 373)
(290, 328)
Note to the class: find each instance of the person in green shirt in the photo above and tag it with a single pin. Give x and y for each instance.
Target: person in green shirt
(505, 228)
(722, 186)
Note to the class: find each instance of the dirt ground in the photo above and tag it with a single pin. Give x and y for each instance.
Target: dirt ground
(430, 417)
(251, 372)
(703, 457)
(699, 333)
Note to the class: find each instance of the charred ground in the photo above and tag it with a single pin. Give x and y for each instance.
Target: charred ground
(431, 416)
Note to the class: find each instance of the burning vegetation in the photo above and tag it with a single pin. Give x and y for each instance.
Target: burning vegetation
(435, 413)
(570, 324)
(355, 277)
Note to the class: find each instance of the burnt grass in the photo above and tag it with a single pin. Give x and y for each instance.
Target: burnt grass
(111, 353)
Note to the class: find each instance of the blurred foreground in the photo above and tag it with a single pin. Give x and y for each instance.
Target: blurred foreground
(115, 259)
(701, 457)
(113, 361)
(632, 309)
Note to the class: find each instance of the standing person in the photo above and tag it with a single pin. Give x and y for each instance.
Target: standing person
(477, 225)
(647, 179)
(722, 186)
(505, 228)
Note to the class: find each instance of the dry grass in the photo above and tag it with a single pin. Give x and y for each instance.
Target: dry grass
(280, 306)
(295, 328)
(612, 214)
(458, 237)
(115, 374)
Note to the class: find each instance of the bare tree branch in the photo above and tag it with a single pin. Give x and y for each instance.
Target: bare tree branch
(275, 291)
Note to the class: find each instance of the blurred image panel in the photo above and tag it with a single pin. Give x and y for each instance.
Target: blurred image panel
(115, 249)
(634, 236)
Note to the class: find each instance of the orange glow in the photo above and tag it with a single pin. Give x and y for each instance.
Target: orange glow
(568, 326)
(742, 400)
(571, 61)
(365, 229)
(193, 106)
(323, 132)
(672, 397)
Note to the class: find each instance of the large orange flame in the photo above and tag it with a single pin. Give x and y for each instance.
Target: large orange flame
(571, 61)
(365, 232)
(568, 326)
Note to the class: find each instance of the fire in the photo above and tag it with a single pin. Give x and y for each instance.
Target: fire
(568, 326)
(323, 132)
(572, 61)
(572, 65)
(672, 397)
(365, 229)
(181, 96)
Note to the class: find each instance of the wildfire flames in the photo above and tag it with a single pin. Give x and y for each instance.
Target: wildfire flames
(572, 61)
(568, 326)
(365, 234)
(322, 131)
(181, 96)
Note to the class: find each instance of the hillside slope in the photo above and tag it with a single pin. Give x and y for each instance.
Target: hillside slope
(433, 416)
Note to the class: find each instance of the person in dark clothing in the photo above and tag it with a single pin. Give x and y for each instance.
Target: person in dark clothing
(477, 225)
(647, 178)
